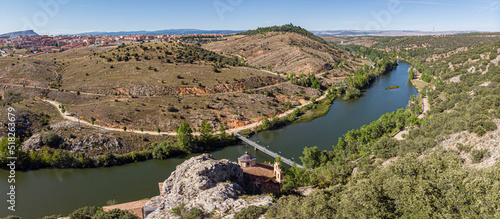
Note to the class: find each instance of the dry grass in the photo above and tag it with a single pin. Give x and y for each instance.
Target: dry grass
(143, 98)
(280, 52)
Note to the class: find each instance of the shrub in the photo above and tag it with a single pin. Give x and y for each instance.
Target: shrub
(51, 140)
(84, 213)
(115, 213)
(464, 148)
(184, 213)
(53, 217)
(251, 212)
(385, 148)
(111, 202)
(478, 155)
(161, 151)
(171, 108)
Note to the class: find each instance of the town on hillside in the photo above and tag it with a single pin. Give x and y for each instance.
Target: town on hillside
(39, 44)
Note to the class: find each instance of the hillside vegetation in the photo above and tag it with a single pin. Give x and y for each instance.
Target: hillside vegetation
(446, 166)
(443, 42)
(286, 49)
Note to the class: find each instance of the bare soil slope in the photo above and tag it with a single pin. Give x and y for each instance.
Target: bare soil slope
(282, 52)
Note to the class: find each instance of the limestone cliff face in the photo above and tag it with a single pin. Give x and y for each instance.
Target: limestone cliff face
(207, 184)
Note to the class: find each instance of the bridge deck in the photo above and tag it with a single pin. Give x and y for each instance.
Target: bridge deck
(267, 151)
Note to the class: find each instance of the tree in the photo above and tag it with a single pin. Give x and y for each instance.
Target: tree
(124, 128)
(311, 157)
(161, 151)
(158, 129)
(215, 69)
(385, 148)
(84, 213)
(411, 73)
(4, 148)
(184, 136)
(92, 120)
(222, 132)
(206, 132)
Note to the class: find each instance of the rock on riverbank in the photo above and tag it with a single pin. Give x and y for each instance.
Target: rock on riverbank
(219, 187)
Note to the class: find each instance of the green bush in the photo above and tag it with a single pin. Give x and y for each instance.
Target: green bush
(252, 212)
(385, 148)
(12, 216)
(114, 214)
(184, 213)
(84, 213)
(478, 155)
(51, 140)
(161, 151)
(462, 147)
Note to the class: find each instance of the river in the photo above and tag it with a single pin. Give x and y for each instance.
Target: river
(60, 191)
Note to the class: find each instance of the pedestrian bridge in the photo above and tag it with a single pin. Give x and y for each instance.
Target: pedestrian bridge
(267, 151)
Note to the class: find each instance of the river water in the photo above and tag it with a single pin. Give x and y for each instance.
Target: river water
(54, 191)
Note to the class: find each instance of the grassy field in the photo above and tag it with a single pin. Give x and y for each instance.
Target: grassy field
(320, 109)
(419, 84)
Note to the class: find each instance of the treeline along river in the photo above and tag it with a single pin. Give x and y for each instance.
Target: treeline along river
(60, 191)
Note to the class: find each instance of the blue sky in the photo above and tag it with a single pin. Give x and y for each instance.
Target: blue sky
(76, 16)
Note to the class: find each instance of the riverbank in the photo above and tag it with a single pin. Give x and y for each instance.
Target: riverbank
(202, 141)
(419, 85)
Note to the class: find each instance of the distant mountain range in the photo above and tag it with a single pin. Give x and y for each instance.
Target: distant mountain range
(384, 32)
(198, 31)
(318, 33)
(19, 33)
(163, 32)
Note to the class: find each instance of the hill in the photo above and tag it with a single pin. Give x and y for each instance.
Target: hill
(284, 49)
(19, 33)
(437, 42)
(384, 32)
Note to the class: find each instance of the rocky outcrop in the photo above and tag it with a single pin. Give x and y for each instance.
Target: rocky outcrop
(75, 140)
(213, 186)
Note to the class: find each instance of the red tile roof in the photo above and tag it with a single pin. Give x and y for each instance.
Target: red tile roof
(260, 171)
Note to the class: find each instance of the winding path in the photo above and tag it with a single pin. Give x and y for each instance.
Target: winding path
(69, 116)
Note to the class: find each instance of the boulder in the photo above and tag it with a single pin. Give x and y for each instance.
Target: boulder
(213, 186)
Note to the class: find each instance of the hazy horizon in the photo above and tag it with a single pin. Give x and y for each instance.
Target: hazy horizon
(56, 17)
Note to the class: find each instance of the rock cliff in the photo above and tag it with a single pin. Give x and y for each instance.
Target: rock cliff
(213, 186)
